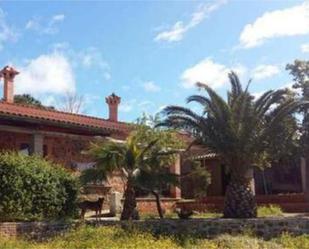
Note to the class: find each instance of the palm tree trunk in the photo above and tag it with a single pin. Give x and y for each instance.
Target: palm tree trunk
(240, 199)
(158, 202)
(129, 205)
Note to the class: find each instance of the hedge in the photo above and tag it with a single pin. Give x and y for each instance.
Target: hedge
(32, 188)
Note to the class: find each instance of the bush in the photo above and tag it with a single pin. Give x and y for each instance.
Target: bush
(35, 189)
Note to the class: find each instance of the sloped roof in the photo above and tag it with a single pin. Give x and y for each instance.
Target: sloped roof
(60, 118)
(196, 152)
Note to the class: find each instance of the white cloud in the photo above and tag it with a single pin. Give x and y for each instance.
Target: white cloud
(150, 86)
(58, 18)
(132, 104)
(90, 58)
(160, 109)
(50, 26)
(305, 48)
(7, 33)
(209, 72)
(47, 74)
(256, 95)
(127, 106)
(280, 23)
(49, 100)
(178, 30)
(265, 71)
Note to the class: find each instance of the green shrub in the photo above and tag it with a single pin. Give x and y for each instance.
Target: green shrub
(269, 210)
(34, 189)
(291, 242)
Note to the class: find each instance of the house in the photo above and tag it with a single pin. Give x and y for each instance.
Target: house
(60, 136)
(285, 183)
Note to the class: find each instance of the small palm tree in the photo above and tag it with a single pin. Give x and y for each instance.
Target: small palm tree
(128, 157)
(239, 130)
(155, 176)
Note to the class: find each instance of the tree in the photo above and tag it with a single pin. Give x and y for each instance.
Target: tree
(300, 71)
(284, 145)
(72, 103)
(199, 178)
(239, 129)
(128, 157)
(144, 158)
(155, 176)
(27, 99)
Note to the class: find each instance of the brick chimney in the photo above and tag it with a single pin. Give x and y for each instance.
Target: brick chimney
(8, 73)
(113, 101)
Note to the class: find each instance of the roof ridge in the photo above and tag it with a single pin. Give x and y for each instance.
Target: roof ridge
(61, 112)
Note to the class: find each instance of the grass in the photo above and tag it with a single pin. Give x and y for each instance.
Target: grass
(263, 211)
(116, 238)
(269, 211)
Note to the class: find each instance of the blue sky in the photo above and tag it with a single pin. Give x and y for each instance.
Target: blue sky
(149, 52)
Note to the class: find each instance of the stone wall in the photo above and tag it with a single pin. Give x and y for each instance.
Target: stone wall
(207, 228)
(293, 203)
(34, 230)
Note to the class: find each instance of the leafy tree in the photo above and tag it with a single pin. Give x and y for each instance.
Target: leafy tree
(143, 158)
(27, 99)
(300, 71)
(155, 176)
(284, 145)
(240, 130)
(199, 177)
(128, 157)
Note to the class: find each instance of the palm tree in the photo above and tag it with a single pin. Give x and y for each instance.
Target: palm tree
(239, 130)
(155, 177)
(128, 157)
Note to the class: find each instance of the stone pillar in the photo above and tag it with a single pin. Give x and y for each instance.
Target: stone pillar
(37, 144)
(115, 203)
(176, 169)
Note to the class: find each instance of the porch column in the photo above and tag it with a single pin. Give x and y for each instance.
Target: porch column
(304, 167)
(176, 169)
(37, 144)
(250, 175)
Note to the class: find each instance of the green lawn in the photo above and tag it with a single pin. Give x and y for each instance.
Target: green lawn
(116, 238)
(263, 211)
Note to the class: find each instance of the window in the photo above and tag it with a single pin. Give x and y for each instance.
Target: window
(24, 149)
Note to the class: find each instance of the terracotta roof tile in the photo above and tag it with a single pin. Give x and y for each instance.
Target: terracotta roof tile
(18, 110)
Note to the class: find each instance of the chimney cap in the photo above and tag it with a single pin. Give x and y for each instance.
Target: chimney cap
(113, 99)
(8, 71)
